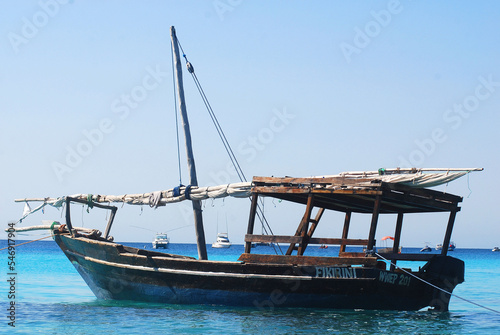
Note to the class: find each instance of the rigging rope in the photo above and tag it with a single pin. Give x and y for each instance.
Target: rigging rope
(436, 287)
(26, 242)
(225, 142)
(215, 121)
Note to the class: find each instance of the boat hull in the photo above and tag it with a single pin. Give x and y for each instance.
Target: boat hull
(160, 245)
(113, 271)
(218, 245)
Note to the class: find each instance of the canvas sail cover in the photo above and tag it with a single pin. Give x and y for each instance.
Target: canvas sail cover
(410, 177)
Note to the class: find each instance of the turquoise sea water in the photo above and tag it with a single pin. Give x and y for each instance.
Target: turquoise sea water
(51, 298)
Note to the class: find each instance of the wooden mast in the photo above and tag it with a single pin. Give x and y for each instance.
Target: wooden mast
(198, 219)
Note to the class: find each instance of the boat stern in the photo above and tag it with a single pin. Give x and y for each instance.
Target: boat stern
(444, 273)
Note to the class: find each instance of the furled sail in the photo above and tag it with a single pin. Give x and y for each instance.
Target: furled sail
(412, 177)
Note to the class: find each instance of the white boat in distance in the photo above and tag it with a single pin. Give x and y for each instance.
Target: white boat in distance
(451, 247)
(161, 241)
(222, 241)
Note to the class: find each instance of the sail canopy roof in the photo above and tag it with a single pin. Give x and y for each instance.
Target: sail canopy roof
(354, 191)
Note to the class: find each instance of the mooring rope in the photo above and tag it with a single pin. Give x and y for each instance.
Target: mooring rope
(26, 242)
(434, 286)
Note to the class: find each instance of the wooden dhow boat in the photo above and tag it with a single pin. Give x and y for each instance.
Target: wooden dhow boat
(354, 279)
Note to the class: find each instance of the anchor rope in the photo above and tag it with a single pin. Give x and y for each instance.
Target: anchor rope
(26, 242)
(436, 287)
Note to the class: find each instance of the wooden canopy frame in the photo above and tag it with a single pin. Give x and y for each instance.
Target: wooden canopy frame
(349, 195)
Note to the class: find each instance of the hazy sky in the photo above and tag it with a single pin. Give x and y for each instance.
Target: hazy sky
(300, 88)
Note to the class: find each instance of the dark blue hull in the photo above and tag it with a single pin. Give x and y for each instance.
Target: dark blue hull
(113, 271)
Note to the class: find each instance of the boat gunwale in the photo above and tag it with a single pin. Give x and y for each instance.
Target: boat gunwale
(212, 273)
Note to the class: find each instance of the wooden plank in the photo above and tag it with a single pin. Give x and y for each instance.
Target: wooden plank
(308, 189)
(447, 235)
(345, 230)
(306, 260)
(297, 239)
(312, 181)
(397, 237)
(408, 257)
(338, 241)
(251, 220)
(352, 254)
(272, 238)
(305, 225)
(300, 228)
(373, 225)
(314, 224)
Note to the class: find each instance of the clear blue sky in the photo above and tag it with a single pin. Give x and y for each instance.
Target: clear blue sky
(301, 89)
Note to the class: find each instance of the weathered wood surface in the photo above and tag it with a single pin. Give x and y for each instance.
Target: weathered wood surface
(198, 218)
(298, 239)
(313, 181)
(307, 260)
(356, 197)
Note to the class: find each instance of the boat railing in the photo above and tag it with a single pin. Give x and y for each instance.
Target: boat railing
(89, 203)
(251, 238)
(307, 260)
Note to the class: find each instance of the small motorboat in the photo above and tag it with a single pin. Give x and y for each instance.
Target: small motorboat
(323, 246)
(439, 246)
(222, 241)
(452, 246)
(426, 249)
(495, 249)
(161, 241)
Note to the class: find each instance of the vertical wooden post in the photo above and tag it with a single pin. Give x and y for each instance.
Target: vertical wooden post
(305, 225)
(200, 233)
(373, 226)
(251, 221)
(397, 238)
(68, 216)
(110, 222)
(345, 231)
(449, 229)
